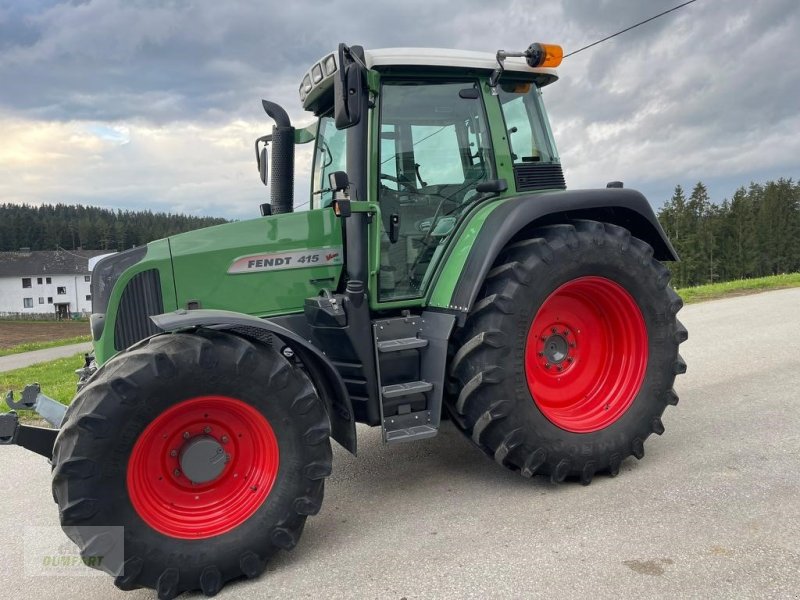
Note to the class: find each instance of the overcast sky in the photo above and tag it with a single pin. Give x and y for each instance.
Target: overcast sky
(134, 104)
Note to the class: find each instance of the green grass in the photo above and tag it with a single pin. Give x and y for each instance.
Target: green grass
(56, 377)
(740, 287)
(29, 346)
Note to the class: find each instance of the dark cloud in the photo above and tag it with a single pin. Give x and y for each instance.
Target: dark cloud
(709, 91)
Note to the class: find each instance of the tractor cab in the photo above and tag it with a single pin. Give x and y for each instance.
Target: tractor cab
(423, 135)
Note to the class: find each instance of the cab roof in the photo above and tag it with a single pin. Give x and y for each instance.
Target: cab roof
(446, 57)
(312, 88)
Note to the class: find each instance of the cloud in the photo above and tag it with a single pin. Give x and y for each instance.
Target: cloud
(180, 167)
(156, 104)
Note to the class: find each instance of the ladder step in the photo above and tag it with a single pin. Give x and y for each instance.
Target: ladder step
(406, 389)
(408, 434)
(402, 344)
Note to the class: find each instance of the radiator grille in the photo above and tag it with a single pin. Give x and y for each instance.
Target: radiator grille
(140, 300)
(539, 176)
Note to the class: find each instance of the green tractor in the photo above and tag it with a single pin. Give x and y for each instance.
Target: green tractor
(442, 271)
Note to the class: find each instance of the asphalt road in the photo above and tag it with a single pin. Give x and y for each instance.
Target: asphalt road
(23, 359)
(713, 510)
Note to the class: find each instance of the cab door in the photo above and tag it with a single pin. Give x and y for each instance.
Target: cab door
(434, 148)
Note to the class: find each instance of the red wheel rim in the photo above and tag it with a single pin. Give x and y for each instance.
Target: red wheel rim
(586, 354)
(169, 502)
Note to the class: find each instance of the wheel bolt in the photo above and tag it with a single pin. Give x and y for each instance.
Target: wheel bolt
(224, 439)
(173, 453)
(559, 367)
(572, 344)
(177, 472)
(546, 365)
(570, 359)
(540, 353)
(566, 332)
(186, 435)
(207, 429)
(553, 330)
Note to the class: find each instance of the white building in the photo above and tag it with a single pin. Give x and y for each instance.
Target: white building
(46, 282)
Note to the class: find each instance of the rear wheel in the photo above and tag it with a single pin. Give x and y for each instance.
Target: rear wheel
(567, 360)
(209, 451)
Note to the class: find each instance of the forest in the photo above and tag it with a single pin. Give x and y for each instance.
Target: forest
(49, 227)
(753, 234)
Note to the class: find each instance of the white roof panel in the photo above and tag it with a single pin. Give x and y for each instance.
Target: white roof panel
(445, 57)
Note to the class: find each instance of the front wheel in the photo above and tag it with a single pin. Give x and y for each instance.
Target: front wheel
(190, 459)
(568, 358)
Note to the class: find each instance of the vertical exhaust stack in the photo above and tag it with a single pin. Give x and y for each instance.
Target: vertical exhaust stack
(282, 175)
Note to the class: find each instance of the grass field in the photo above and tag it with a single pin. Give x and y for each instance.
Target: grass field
(56, 377)
(740, 287)
(22, 336)
(30, 346)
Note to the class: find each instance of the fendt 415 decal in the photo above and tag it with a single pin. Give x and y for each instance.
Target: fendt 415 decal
(299, 259)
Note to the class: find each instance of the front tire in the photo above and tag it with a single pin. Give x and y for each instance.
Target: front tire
(567, 360)
(207, 449)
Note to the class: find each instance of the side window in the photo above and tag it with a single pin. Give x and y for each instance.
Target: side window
(434, 149)
(330, 154)
(528, 133)
(520, 134)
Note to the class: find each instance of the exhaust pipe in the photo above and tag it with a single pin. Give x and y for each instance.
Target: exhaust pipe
(282, 170)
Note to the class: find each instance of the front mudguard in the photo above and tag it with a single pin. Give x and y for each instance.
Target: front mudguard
(323, 374)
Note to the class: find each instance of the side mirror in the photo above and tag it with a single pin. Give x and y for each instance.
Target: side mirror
(348, 89)
(263, 161)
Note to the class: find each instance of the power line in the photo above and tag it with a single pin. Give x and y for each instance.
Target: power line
(629, 28)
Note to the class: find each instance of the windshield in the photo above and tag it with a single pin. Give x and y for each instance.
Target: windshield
(330, 155)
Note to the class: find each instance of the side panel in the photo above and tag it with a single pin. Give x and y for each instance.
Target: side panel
(265, 266)
(494, 225)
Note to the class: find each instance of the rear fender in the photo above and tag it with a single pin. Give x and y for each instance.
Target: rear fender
(323, 374)
(512, 218)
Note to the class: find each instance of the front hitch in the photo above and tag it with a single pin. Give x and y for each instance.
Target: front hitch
(36, 439)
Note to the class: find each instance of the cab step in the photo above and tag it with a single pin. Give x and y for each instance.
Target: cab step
(409, 343)
(406, 389)
(411, 433)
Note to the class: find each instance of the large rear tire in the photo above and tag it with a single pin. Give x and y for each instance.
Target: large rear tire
(207, 449)
(568, 358)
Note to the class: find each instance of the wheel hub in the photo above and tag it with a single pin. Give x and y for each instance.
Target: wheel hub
(203, 459)
(555, 349)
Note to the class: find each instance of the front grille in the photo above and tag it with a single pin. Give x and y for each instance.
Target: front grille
(539, 176)
(140, 300)
(107, 271)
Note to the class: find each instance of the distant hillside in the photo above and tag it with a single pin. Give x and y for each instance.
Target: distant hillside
(48, 227)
